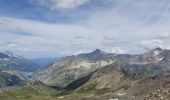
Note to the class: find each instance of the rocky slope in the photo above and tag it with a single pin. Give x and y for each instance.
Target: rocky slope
(14, 69)
(109, 83)
(12, 79)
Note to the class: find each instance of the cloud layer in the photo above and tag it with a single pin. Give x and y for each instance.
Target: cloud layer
(61, 4)
(117, 26)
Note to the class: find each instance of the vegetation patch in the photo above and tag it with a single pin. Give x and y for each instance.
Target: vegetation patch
(90, 87)
(26, 93)
(102, 91)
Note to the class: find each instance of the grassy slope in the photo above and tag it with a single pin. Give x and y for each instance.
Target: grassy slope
(31, 91)
(25, 93)
(141, 89)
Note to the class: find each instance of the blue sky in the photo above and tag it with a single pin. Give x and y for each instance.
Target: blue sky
(49, 28)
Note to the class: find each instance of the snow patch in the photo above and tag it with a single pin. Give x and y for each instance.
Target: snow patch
(159, 59)
(114, 99)
(157, 52)
(28, 73)
(121, 94)
(11, 54)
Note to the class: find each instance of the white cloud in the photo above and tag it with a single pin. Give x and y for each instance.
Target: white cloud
(115, 50)
(158, 41)
(164, 35)
(150, 44)
(154, 43)
(76, 52)
(26, 49)
(47, 39)
(11, 45)
(61, 4)
(130, 24)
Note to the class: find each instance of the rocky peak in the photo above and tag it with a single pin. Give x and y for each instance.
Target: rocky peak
(2, 55)
(158, 49)
(98, 51)
(95, 55)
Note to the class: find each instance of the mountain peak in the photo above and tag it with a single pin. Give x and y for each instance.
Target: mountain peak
(3, 55)
(98, 51)
(9, 53)
(158, 49)
(95, 55)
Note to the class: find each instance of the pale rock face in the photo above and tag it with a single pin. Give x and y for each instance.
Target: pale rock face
(104, 63)
(68, 71)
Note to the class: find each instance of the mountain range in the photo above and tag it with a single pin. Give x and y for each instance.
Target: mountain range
(97, 75)
(66, 70)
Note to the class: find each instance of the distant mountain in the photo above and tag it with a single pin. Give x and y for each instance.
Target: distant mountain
(43, 61)
(10, 61)
(66, 70)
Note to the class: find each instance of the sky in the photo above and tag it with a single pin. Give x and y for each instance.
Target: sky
(53, 28)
